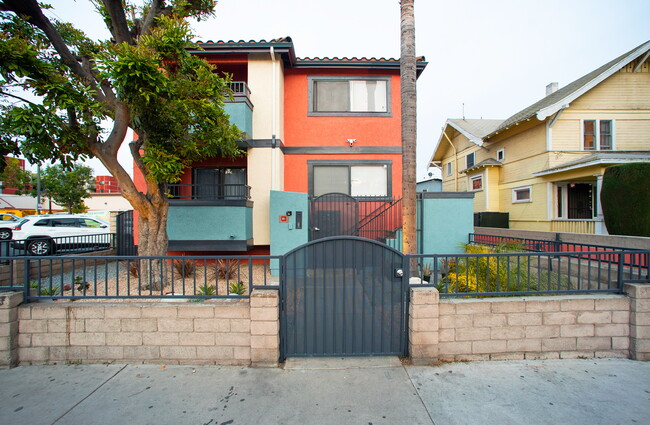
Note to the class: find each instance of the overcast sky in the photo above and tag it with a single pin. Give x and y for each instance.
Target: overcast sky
(495, 57)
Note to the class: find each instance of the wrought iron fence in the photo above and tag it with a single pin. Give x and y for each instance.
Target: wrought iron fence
(541, 245)
(208, 192)
(526, 273)
(115, 277)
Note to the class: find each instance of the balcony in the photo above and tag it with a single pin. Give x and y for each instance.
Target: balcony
(216, 217)
(240, 107)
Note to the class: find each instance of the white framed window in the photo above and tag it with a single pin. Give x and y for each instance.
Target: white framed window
(470, 160)
(336, 96)
(476, 183)
(522, 194)
(597, 135)
(501, 155)
(450, 168)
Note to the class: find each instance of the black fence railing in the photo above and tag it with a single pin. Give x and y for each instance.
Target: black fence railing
(113, 277)
(525, 273)
(208, 192)
(57, 245)
(541, 245)
(240, 88)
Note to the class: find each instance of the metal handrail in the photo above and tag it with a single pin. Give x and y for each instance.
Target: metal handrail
(209, 191)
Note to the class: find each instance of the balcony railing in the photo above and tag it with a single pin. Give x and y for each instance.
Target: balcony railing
(209, 192)
(240, 88)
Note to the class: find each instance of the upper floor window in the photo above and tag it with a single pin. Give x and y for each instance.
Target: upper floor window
(363, 96)
(470, 160)
(597, 135)
(450, 168)
(501, 155)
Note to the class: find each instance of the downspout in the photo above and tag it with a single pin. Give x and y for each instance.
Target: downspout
(273, 123)
(455, 162)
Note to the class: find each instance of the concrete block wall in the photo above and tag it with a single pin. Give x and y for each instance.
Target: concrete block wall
(545, 327)
(9, 328)
(639, 320)
(222, 332)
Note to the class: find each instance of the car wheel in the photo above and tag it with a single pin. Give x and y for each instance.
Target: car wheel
(40, 247)
(5, 234)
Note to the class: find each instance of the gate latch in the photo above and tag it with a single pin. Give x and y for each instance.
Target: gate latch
(399, 273)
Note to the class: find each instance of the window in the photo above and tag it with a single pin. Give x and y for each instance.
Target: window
(522, 194)
(470, 160)
(575, 201)
(219, 183)
(476, 182)
(357, 179)
(87, 222)
(501, 155)
(349, 96)
(597, 135)
(450, 168)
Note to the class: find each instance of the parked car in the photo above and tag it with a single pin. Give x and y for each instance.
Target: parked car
(7, 223)
(44, 234)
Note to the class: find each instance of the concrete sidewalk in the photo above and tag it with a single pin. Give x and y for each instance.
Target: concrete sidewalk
(331, 391)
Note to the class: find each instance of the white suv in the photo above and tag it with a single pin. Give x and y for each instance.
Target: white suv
(7, 223)
(44, 234)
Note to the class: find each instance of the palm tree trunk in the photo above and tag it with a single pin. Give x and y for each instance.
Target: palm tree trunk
(409, 135)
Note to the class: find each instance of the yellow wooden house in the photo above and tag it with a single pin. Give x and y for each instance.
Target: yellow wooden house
(544, 165)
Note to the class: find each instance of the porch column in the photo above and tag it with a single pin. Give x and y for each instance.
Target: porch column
(600, 228)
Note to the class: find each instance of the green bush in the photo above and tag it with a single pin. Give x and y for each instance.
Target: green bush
(625, 198)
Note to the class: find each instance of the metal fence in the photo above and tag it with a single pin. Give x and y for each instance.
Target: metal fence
(116, 277)
(526, 273)
(541, 245)
(208, 192)
(58, 245)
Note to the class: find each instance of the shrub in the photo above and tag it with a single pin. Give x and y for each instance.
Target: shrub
(227, 269)
(184, 268)
(625, 198)
(237, 288)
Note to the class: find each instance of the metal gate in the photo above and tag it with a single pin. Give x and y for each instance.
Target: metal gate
(343, 296)
(124, 234)
(333, 214)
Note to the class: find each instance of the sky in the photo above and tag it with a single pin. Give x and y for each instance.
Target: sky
(487, 59)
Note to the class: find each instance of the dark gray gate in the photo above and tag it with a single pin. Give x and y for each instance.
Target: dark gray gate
(333, 214)
(124, 234)
(343, 296)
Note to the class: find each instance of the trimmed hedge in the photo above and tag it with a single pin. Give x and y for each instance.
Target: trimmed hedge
(625, 198)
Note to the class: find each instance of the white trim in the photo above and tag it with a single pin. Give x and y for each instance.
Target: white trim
(503, 154)
(564, 102)
(476, 140)
(522, 188)
(471, 180)
(587, 164)
(597, 135)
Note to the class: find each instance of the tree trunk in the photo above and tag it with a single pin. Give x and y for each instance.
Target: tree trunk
(152, 242)
(409, 135)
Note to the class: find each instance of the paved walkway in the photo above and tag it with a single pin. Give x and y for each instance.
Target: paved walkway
(350, 391)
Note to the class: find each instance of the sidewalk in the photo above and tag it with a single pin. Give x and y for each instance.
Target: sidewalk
(331, 391)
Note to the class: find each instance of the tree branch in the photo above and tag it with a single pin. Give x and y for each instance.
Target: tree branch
(32, 10)
(17, 97)
(119, 26)
(155, 10)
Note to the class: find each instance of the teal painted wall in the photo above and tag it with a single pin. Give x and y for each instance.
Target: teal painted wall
(241, 115)
(446, 224)
(285, 236)
(209, 223)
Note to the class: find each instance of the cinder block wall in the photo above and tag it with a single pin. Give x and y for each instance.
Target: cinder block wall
(213, 332)
(549, 327)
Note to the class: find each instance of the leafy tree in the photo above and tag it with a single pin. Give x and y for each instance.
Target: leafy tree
(144, 78)
(13, 175)
(68, 187)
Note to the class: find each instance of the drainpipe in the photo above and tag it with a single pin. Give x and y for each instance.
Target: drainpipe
(455, 162)
(274, 186)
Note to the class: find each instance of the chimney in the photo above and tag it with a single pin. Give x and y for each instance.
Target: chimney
(551, 88)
